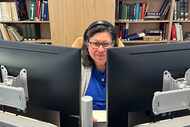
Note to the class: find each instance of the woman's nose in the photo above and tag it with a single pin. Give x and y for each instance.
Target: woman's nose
(101, 48)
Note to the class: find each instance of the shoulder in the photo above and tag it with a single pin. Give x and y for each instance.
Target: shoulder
(86, 69)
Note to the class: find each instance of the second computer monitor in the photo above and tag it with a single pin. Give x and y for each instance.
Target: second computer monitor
(135, 73)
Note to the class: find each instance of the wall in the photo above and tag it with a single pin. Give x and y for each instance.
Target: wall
(69, 18)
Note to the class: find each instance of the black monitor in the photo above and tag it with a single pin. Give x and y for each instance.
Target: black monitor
(53, 74)
(136, 72)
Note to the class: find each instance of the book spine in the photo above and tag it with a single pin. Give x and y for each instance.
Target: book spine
(182, 10)
(135, 36)
(143, 10)
(120, 9)
(32, 10)
(124, 11)
(117, 10)
(186, 3)
(173, 33)
(163, 7)
(178, 38)
(166, 10)
(38, 7)
(137, 11)
(126, 31)
(178, 9)
(175, 11)
(21, 9)
(45, 13)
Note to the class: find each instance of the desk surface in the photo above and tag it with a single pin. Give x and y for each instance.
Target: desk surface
(175, 122)
(100, 115)
(101, 118)
(21, 121)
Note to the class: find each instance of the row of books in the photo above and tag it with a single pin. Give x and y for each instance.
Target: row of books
(38, 10)
(24, 10)
(134, 11)
(146, 35)
(8, 11)
(161, 14)
(139, 11)
(181, 10)
(19, 32)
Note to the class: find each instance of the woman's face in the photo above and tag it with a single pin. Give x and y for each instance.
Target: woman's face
(97, 48)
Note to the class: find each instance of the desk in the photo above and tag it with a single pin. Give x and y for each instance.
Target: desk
(11, 120)
(175, 122)
(101, 117)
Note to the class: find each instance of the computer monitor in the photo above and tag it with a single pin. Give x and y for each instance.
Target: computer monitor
(136, 72)
(53, 74)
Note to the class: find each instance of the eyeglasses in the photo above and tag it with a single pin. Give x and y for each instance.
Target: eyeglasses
(97, 44)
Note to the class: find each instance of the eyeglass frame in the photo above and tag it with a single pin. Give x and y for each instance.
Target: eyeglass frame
(94, 45)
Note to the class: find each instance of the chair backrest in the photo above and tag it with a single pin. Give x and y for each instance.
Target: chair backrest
(78, 42)
(120, 43)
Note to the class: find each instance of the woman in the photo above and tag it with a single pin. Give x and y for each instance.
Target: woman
(98, 37)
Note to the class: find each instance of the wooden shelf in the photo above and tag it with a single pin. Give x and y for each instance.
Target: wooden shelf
(21, 22)
(141, 42)
(142, 21)
(180, 41)
(147, 42)
(38, 41)
(179, 21)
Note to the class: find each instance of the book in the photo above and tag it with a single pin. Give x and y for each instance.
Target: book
(126, 31)
(10, 32)
(153, 32)
(182, 9)
(175, 11)
(178, 9)
(143, 10)
(38, 10)
(45, 12)
(15, 33)
(14, 13)
(120, 9)
(137, 11)
(186, 9)
(165, 11)
(1, 35)
(173, 33)
(178, 32)
(152, 15)
(32, 10)
(135, 36)
(21, 9)
(4, 32)
(152, 38)
(5, 8)
(163, 7)
(124, 11)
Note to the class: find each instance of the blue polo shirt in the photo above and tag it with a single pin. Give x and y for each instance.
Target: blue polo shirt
(97, 89)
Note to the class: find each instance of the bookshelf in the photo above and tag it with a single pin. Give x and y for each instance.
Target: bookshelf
(25, 20)
(143, 21)
(68, 19)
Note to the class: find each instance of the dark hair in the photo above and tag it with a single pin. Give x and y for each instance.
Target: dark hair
(94, 28)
